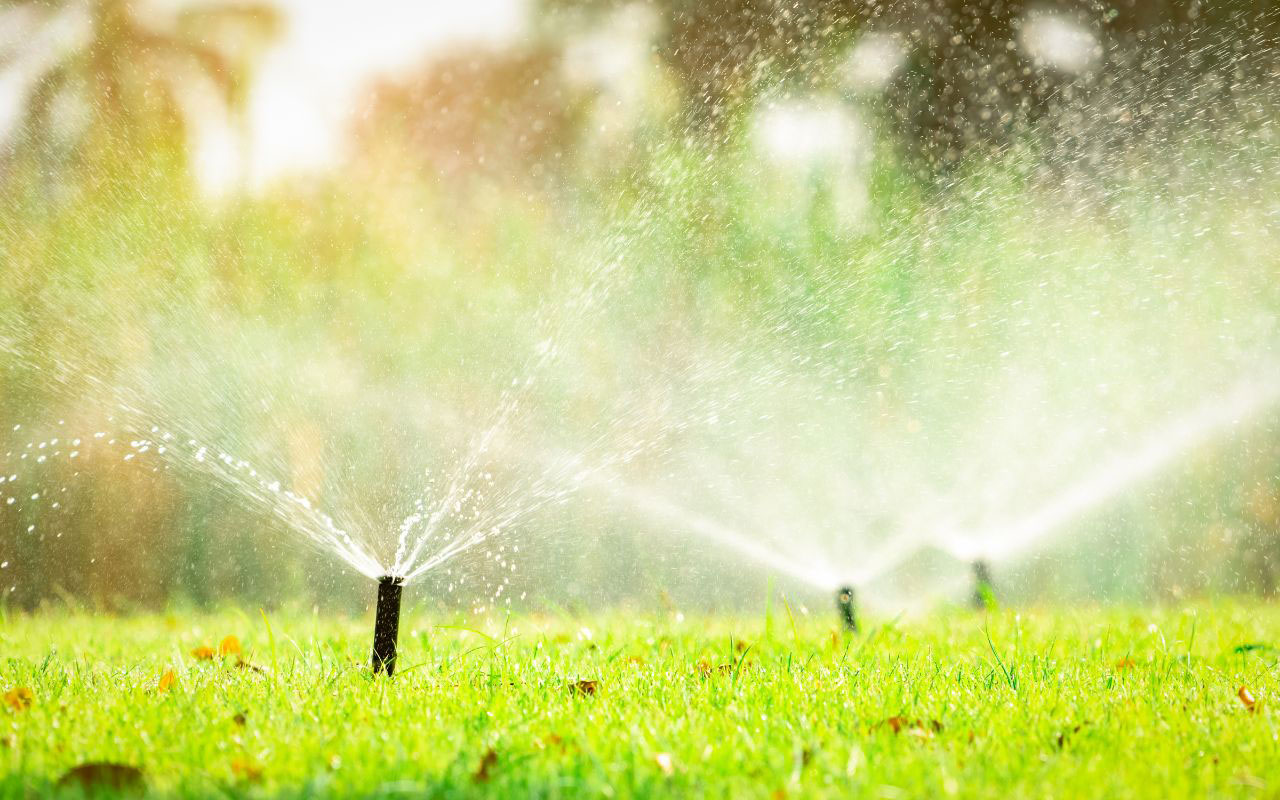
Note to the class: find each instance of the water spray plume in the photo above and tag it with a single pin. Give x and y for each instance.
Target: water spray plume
(386, 626)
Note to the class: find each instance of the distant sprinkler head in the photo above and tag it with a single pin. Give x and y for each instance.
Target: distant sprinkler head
(386, 625)
(847, 605)
(984, 596)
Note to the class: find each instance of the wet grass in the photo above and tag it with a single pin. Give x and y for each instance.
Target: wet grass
(1038, 704)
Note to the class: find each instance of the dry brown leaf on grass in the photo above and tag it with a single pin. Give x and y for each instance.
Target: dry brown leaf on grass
(19, 698)
(246, 770)
(203, 653)
(1063, 736)
(550, 740)
(1246, 697)
(706, 668)
(585, 687)
(913, 727)
(487, 763)
(167, 680)
(97, 776)
(230, 646)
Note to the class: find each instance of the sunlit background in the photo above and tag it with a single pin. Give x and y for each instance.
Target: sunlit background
(577, 302)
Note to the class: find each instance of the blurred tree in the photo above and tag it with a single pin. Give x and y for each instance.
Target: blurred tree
(970, 78)
(110, 84)
(724, 52)
(978, 72)
(507, 113)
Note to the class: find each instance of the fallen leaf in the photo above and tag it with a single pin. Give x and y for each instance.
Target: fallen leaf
(242, 664)
(705, 668)
(167, 680)
(97, 776)
(19, 698)
(1062, 737)
(203, 653)
(239, 718)
(551, 740)
(487, 762)
(664, 763)
(246, 770)
(585, 687)
(230, 647)
(913, 727)
(740, 645)
(1125, 663)
(1246, 697)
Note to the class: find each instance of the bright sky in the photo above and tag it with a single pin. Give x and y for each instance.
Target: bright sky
(311, 82)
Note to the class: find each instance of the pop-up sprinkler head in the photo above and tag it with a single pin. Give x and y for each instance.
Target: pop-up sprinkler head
(386, 625)
(984, 595)
(846, 604)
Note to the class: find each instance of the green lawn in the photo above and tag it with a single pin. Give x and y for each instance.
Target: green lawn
(1037, 704)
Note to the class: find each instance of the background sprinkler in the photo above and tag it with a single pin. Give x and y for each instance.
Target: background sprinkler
(984, 596)
(386, 625)
(846, 604)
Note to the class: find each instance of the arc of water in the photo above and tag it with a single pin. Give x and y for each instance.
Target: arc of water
(1245, 401)
(653, 504)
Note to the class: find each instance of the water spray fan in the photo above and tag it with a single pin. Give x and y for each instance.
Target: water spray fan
(386, 625)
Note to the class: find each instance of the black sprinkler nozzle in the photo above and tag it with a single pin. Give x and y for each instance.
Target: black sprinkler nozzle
(386, 625)
(846, 604)
(984, 595)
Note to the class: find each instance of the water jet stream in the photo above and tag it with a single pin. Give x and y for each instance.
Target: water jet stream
(1246, 400)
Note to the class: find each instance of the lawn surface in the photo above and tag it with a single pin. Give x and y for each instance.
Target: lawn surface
(1037, 704)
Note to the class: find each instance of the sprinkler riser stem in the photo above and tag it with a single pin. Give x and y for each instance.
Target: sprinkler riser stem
(386, 625)
(846, 604)
(983, 588)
